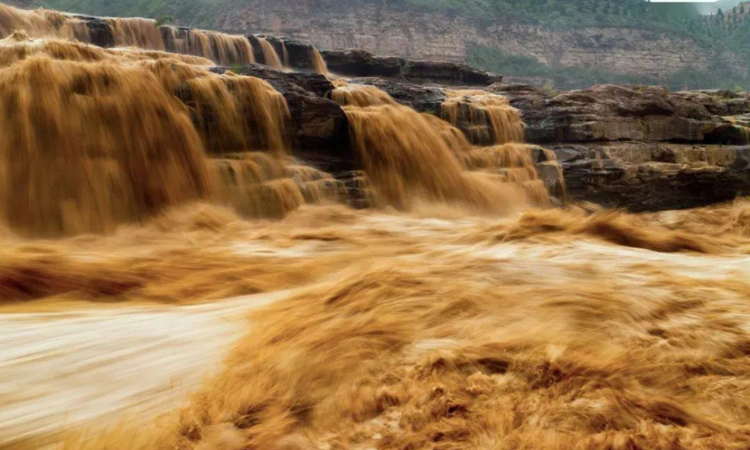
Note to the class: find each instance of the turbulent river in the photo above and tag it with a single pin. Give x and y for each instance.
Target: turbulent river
(171, 277)
(381, 330)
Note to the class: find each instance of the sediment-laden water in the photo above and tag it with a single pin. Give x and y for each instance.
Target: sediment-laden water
(171, 277)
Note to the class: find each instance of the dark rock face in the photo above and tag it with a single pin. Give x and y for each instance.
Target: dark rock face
(278, 46)
(642, 148)
(448, 72)
(100, 31)
(359, 63)
(318, 124)
(719, 102)
(654, 176)
(420, 97)
(614, 113)
(300, 54)
(260, 58)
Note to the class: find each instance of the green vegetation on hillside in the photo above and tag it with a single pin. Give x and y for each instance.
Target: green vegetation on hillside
(628, 13)
(495, 60)
(681, 18)
(723, 32)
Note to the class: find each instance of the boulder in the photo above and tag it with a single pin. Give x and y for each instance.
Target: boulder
(550, 171)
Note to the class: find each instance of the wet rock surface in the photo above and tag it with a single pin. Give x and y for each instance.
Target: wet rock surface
(642, 176)
(100, 32)
(642, 148)
(300, 55)
(423, 98)
(359, 63)
(621, 113)
(318, 124)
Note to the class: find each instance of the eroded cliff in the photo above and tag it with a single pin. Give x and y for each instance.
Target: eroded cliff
(394, 28)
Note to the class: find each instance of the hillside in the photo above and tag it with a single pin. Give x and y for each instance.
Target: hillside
(563, 43)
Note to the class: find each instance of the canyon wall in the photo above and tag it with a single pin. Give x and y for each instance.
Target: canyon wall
(397, 29)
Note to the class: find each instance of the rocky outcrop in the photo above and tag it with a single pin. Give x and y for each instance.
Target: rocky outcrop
(100, 32)
(644, 176)
(394, 28)
(300, 55)
(624, 113)
(420, 97)
(258, 54)
(719, 102)
(635, 147)
(642, 148)
(359, 63)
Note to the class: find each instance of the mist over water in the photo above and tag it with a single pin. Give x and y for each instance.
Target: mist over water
(154, 222)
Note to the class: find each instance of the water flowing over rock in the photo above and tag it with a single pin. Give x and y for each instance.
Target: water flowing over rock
(300, 56)
(318, 124)
(218, 47)
(486, 118)
(101, 137)
(240, 129)
(270, 57)
(411, 157)
(320, 131)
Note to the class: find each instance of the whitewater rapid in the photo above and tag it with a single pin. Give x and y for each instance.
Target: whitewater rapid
(60, 371)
